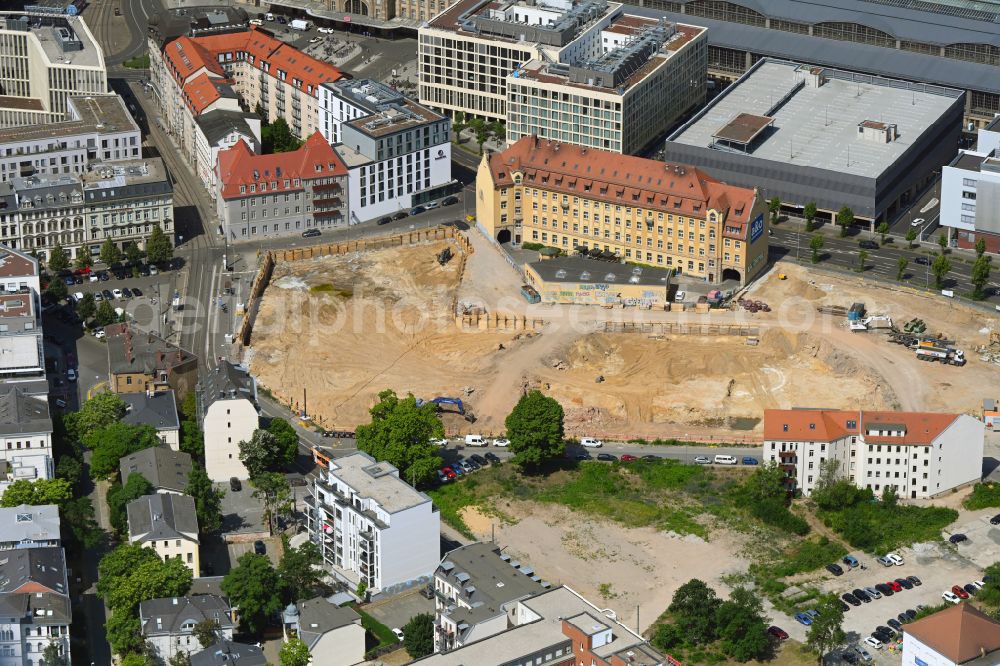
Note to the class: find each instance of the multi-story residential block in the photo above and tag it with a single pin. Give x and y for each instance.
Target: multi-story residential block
(920, 454)
(216, 131)
(475, 587)
(21, 352)
(227, 413)
(97, 128)
(25, 435)
(166, 470)
(397, 152)
(168, 524)
(139, 362)
(155, 408)
(556, 627)
(121, 201)
(370, 525)
(578, 72)
(642, 211)
(45, 59)
(645, 76)
(960, 634)
(282, 194)
(196, 75)
(19, 273)
(35, 609)
(228, 653)
(168, 623)
(27, 526)
(970, 192)
(332, 633)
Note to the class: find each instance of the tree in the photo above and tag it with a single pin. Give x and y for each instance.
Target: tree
(105, 314)
(766, 483)
(207, 500)
(816, 244)
(458, 125)
(862, 258)
(845, 218)
(911, 235)
(78, 525)
(159, 249)
(535, 430)
(400, 433)
(943, 241)
(136, 659)
(58, 259)
(124, 632)
(119, 496)
(774, 207)
(883, 230)
(901, 265)
(83, 258)
(252, 586)
(298, 572)
(940, 267)
(112, 442)
(71, 469)
(288, 439)
(110, 254)
(132, 573)
(809, 212)
(86, 307)
(261, 453)
(100, 411)
(826, 631)
(53, 655)
(694, 605)
(980, 247)
(207, 632)
(990, 594)
(40, 491)
(980, 275)
(418, 635)
(272, 488)
(482, 132)
(889, 497)
(499, 131)
(180, 658)
(133, 254)
(57, 289)
(277, 137)
(294, 653)
(742, 626)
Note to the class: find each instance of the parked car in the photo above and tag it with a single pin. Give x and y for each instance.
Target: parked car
(442, 477)
(399, 634)
(649, 457)
(778, 632)
(958, 538)
(873, 593)
(628, 457)
(583, 455)
(910, 614)
(259, 547)
(99, 333)
(703, 460)
(873, 642)
(850, 561)
(914, 580)
(310, 233)
(417, 210)
(979, 584)
(835, 569)
(917, 221)
(449, 201)
(905, 583)
(995, 520)
(895, 624)
(861, 595)
(968, 587)
(748, 460)
(607, 457)
(960, 592)
(235, 485)
(71, 374)
(591, 442)
(850, 598)
(895, 559)
(479, 460)
(329, 31)
(922, 260)
(862, 653)
(117, 293)
(438, 442)
(492, 457)
(950, 597)
(144, 270)
(884, 589)
(431, 205)
(126, 293)
(449, 472)
(885, 631)
(802, 618)
(384, 220)
(724, 460)
(896, 587)
(502, 442)
(850, 657)
(401, 215)
(136, 292)
(868, 245)
(108, 296)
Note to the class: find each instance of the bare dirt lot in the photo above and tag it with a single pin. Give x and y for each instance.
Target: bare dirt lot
(349, 326)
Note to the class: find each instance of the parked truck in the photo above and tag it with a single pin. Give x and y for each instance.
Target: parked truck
(300, 24)
(946, 355)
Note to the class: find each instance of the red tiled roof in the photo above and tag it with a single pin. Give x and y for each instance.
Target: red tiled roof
(960, 633)
(187, 57)
(201, 91)
(620, 179)
(315, 159)
(827, 425)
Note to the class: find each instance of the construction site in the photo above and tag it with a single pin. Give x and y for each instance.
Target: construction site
(334, 330)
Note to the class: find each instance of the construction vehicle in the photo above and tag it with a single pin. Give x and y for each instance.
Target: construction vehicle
(915, 326)
(444, 256)
(865, 324)
(856, 312)
(946, 355)
(530, 294)
(444, 400)
(322, 456)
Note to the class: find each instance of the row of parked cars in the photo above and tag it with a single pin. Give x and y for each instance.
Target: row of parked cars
(724, 460)
(417, 210)
(959, 592)
(464, 466)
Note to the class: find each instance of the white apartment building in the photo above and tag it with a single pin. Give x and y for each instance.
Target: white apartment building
(96, 128)
(25, 435)
(370, 525)
(35, 608)
(44, 60)
(397, 152)
(219, 130)
(168, 622)
(970, 192)
(22, 360)
(921, 454)
(29, 526)
(168, 524)
(227, 412)
(645, 75)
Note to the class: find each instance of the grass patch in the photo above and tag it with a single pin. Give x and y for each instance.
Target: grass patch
(880, 527)
(138, 62)
(451, 498)
(809, 555)
(984, 495)
(327, 288)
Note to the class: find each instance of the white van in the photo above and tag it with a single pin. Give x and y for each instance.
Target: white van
(724, 460)
(269, 16)
(475, 440)
(591, 443)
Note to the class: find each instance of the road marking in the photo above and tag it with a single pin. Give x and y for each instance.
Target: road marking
(99, 387)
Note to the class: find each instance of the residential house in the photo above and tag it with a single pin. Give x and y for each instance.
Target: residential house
(370, 525)
(168, 524)
(920, 454)
(165, 469)
(137, 361)
(227, 412)
(168, 623)
(219, 130)
(961, 634)
(156, 408)
(25, 436)
(27, 526)
(332, 633)
(228, 653)
(35, 608)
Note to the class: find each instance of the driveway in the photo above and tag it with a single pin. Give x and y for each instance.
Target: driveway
(241, 511)
(396, 611)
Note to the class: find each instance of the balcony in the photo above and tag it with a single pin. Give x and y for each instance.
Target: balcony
(328, 215)
(328, 202)
(333, 187)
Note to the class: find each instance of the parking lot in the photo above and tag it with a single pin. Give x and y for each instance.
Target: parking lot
(396, 611)
(150, 310)
(241, 511)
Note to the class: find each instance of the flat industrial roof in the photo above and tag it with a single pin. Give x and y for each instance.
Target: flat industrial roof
(744, 128)
(102, 114)
(44, 27)
(818, 126)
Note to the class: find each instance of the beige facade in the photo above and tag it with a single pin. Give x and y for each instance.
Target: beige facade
(645, 212)
(185, 550)
(226, 424)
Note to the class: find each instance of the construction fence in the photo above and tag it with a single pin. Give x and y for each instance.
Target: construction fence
(378, 243)
(257, 287)
(677, 328)
(498, 321)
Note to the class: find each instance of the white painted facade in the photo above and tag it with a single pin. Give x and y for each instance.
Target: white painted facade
(227, 422)
(207, 153)
(916, 653)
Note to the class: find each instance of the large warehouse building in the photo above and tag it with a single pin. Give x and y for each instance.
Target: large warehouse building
(811, 134)
(941, 42)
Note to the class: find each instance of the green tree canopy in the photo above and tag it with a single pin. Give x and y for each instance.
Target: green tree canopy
(78, 525)
(105, 314)
(273, 490)
(207, 500)
(42, 491)
(980, 275)
(694, 606)
(901, 265)
(131, 574)
(206, 632)
(911, 235)
(943, 241)
(71, 469)
(159, 248)
(110, 254)
(101, 410)
(288, 439)
(119, 496)
(133, 254)
(261, 453)
(112, 442)
(277, 137)
(400, 433)
(299, 572)
(418, 635)
(83, 258)
(826, 632)
(940, 267)
(58, 259)
(124, 633)
(816, 244)
(53, 655)
(774, 207)
(990, 594)
(883, 230)
(535, 430)
(980, 247)
(86, 308)
(845, 218)
(137, 659)
(742, 626)
(809, 212)
(57, 288)
(253, 586)
(294, 653)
